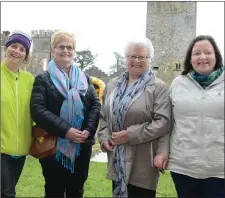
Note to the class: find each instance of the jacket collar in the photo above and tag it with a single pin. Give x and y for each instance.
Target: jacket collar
(10, 74)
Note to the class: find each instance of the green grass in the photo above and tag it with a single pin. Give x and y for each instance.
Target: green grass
(31, 183)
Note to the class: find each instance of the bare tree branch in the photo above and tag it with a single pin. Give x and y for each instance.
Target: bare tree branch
(120, 63)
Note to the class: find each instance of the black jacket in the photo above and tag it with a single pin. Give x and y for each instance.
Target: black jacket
(46, 102)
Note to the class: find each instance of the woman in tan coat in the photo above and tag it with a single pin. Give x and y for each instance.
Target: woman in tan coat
(135, 115)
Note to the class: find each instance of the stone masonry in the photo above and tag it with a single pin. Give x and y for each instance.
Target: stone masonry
(170, 26)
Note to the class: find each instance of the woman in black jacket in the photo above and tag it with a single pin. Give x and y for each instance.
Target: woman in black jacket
(64, 103)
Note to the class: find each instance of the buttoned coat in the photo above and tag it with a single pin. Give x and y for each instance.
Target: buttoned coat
(148, 120)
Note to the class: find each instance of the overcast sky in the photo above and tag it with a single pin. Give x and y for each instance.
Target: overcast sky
(102, 26)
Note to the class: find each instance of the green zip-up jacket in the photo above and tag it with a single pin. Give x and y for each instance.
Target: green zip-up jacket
(16, 122)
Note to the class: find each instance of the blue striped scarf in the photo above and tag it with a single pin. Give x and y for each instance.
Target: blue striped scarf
(123, 97)
(71, 110)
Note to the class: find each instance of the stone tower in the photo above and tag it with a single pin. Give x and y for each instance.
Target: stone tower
(41, 50)
(4, 37)
(170, 26)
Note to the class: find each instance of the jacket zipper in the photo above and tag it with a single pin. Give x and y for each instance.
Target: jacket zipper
(203, 97)
(202, 115)
(17, 115)
(200, 158)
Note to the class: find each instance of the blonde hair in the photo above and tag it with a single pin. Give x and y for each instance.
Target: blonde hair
(58, 36)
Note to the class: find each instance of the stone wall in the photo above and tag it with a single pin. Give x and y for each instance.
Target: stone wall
(41, 50)
(4, 37)
(170, 26)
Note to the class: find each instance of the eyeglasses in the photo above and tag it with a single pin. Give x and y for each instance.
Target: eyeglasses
(68, 47)
(140, 58)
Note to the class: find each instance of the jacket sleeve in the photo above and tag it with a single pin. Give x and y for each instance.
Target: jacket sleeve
(164, 141)
(164, 144)
(103, 132)
(161, 120)
(91, 123)
(46, 119)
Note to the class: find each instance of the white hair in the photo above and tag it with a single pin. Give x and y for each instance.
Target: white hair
(147, 43)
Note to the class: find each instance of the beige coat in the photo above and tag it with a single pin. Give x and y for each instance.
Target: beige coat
(197, 138)
(148, 118)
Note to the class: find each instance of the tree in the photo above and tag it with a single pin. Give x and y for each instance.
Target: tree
(120, 63)
(85, 58)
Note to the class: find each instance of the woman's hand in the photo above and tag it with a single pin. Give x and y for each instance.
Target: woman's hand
(107, 146)
(120, 137)
(85, 134)
(160, 161)
(75, 135)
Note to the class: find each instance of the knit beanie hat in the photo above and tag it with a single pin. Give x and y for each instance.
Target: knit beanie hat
(20, 37)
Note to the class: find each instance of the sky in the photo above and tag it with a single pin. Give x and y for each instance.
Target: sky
(103, 27)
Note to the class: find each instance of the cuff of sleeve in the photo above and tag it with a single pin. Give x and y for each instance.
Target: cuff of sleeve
(164, 150)
(63, 135)
(132, 138)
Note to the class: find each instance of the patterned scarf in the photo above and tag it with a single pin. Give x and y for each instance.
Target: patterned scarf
(206, 80)
(71, 110)
(122, 100)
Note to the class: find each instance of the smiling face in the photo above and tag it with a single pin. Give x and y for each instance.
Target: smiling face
(64, 52)
(203, 57)
(15, 54)
(137, 66)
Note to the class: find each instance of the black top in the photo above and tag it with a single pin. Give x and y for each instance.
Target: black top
(46, 102)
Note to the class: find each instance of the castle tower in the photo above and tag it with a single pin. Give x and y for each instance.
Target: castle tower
(4, 37)
(41, 50)
(170, 26)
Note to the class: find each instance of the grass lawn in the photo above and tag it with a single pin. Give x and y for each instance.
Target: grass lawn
(31, 183)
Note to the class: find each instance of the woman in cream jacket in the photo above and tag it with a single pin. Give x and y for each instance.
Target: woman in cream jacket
(196, 158)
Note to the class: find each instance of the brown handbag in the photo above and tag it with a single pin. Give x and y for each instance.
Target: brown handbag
(43, 144)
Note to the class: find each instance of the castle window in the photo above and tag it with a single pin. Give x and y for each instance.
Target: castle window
(178, 66)
(155, 68)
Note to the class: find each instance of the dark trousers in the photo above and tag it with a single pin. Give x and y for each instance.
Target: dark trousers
(190, 187)
(10, 173)
(59, 181)
(134, 191)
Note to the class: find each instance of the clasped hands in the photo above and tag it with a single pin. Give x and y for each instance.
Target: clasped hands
(121, 137)
(77, 136)
(117, 138)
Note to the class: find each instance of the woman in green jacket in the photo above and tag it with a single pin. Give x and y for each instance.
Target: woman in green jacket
(16, 122)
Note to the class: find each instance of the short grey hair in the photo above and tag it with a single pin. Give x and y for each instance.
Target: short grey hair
(147, 43)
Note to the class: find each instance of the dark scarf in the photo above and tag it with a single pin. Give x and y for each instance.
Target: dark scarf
(206, 80)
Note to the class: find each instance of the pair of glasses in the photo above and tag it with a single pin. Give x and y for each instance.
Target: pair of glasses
(140, 58)
(68, 47)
